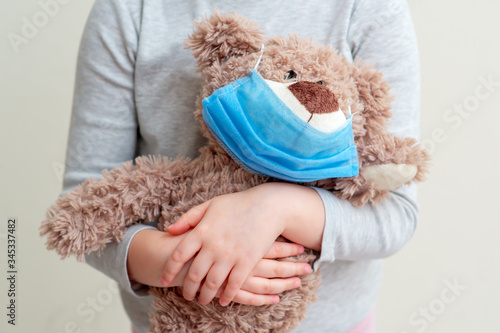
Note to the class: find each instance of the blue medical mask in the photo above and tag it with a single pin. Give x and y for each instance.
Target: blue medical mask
(264, 136)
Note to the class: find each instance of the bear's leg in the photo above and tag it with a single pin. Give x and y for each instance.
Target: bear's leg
(387, 177)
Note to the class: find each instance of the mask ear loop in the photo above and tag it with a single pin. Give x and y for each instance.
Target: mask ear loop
(261, 54)
(352, 114)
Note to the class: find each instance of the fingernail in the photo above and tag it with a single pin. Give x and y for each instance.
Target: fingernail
(276, 299)
(307, 269)
(301, 249)
(164, 282)
(296, 284)
(224, 302)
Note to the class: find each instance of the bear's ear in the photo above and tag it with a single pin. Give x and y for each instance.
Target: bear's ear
(221, 36)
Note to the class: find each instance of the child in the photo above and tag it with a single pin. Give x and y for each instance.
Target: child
(134, 95)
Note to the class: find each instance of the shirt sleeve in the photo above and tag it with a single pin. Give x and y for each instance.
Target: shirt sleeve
(383, 34)
(103, 128)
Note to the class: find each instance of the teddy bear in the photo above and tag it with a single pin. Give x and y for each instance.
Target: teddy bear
(326, 93)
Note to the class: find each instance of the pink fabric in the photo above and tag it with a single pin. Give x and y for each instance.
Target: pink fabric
(366, 326)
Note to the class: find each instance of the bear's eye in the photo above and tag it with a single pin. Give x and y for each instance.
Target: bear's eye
(290, 75)
(320, 82)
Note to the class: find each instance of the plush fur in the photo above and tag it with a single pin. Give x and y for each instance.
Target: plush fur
(227, 47)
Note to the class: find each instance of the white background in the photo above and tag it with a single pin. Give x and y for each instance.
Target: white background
(457, 239)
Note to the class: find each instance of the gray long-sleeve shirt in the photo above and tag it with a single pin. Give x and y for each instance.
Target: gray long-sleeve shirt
(134, 95)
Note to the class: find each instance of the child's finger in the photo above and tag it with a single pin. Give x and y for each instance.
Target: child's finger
(245, 297)
(186, 249)
(236, 279)
(214, 280)
(258, 285)
(196, 273)
(189, 220)
(284, 249)
(269, 268)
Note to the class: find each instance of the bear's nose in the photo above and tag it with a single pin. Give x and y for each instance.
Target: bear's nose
(314, 97)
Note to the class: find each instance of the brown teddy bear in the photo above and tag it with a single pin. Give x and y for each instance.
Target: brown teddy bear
(323, 89)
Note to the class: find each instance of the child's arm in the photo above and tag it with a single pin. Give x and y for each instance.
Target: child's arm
(233, 232)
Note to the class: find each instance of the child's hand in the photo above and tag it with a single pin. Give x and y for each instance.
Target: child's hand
(150, 249)
(270, 277)
(231, 234)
